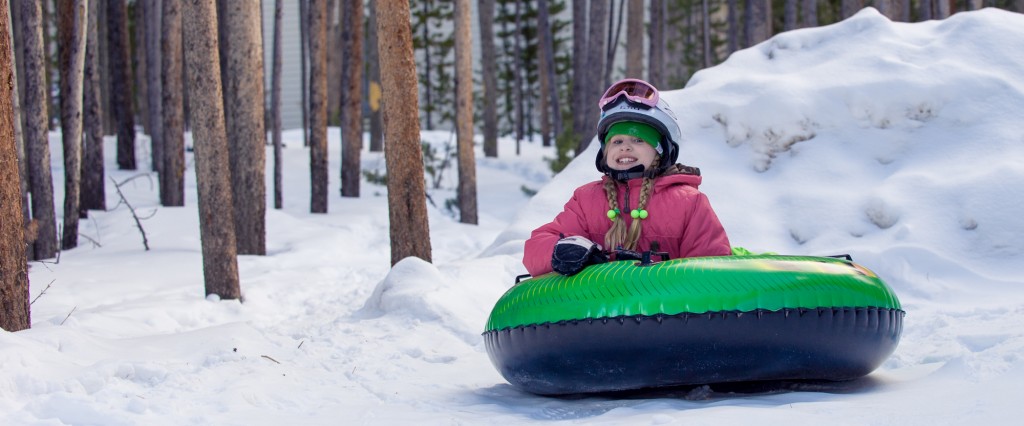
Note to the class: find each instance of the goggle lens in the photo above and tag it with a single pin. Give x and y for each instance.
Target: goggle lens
(637, 91)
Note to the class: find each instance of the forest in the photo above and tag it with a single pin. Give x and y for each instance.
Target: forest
(91, 69)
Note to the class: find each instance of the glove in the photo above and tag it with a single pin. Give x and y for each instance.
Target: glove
(572, 254)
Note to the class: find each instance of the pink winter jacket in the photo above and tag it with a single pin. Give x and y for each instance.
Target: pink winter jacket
(680, 219)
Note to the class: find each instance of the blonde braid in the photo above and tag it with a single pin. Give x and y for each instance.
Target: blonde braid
(617, 233)
(645, 194)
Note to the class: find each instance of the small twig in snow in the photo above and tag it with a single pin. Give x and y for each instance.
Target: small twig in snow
(42, 292)
(138, 223)
(268, 357)
(69, 315)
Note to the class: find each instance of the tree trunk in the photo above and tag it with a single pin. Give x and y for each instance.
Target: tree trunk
(548, 61)
(635, 40)
(49, 23)
(19, 137)
(848, 8)
(72, 23)
(93, 184)
(275, 106)
(373, 90)
(490, 77)
(304, 66)
(15, 312)
(579, 71)
(37, 146)
(518, 68)
(407, 196)
(172, 178)
(614, 31)
(137, 22)
(810, 13)
(464, 113)
(202, 66)
(351, 97)
(789, 14)
(656, 37)
(120, 80)
(154, 92)
(595, 66)
(318, 106)
(707, 48)
(244, 114)
(335, 60)
(760, 21)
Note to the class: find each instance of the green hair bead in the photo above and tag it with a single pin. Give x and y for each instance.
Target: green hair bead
(613, 213)
(638, 214)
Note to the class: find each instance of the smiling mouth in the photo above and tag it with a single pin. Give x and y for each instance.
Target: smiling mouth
(626, 160)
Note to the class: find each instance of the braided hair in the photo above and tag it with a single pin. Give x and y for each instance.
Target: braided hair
(618, 235)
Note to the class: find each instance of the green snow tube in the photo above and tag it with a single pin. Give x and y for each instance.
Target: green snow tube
(623, 325)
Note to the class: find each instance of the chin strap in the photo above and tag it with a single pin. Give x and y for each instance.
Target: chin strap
(633, 173)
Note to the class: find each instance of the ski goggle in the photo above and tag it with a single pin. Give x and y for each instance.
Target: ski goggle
(635, 90)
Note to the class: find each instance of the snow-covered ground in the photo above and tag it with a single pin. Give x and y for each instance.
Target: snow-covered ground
(900, 144)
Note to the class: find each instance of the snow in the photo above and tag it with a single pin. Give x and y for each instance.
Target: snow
(897, 143)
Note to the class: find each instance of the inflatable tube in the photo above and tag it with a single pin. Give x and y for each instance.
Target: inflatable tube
(620, 326)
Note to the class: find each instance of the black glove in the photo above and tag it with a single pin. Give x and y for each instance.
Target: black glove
(572, 254)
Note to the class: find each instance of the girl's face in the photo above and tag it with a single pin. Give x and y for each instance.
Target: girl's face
(623, 152)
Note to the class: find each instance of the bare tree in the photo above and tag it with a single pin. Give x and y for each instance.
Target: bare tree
(490, 76)
(304, 66)
(547, 48)
(93, 194)
(351, 97)
(656, 37)
(275, 105)
(37, 145)
(635, 40)
(244, 115)
(848, 8)
(579, 71)
(336, 12)
(120, 80)
(318, 106)
(407, 196)
(595, 66)
(373, 91)
(202, 66)
(137, 41)
(154, 93)
(15, 311)
(758, 21)
(172, 110)
(464, 113)
(809, 12)
(19, 138)
(72, 23)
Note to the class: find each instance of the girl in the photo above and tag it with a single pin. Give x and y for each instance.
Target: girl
(644, 201)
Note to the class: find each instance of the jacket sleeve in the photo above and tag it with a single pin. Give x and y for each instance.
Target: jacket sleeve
(704, 234)
(538, 249)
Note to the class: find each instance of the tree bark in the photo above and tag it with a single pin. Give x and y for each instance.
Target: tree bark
(154, 94)
(72, 23)
(595, 66)
(336, 13)
(244, 114)
(518, 68)
(407, 197)
(304, 66)
(93, 184)
(809, 13)
(464, 113)
(760, 22)
(635, 40)
(490, 77)
(547, 49)
(579, 71)
(15, 312)
(318, 106)
(37, 146)
(656, 49)
(120, 80)
(275, 106)
(373, 90)
(19, 137)
(172, 111)
(217, 230)
(351, 97)
(137, 41)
